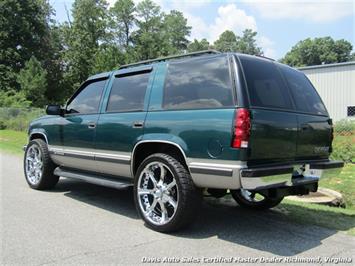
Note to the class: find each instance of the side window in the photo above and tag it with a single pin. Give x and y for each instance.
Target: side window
(198, 83)
(128, 92)
(88, 99)
(265, 85)
(303, 93)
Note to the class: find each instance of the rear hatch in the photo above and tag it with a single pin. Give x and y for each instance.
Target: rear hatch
(288, 119)
(314, 126)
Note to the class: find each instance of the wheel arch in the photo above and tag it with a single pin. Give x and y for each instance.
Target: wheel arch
(145, 148)
(38, 135)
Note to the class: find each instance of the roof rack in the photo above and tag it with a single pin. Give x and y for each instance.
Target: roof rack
(262, 56)
(160, 59)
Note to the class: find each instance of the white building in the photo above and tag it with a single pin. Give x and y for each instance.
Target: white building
(335, 83)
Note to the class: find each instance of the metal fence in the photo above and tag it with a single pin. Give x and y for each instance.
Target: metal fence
(343, 143)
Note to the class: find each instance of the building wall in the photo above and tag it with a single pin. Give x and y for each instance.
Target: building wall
(335, 83)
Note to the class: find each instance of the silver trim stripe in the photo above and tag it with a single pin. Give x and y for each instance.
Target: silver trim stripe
(85, 154)
(211, 173)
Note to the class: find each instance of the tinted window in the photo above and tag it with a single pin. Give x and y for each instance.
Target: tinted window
(303, 93)
(198, 83)
(128, 92)
(265, 84)
(88, 99)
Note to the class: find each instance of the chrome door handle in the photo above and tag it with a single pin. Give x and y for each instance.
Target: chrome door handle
(91, 125)
(138, 124)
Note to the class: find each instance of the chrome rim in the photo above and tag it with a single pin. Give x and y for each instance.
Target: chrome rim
(157, 193)
(33, 164)
(251, 196)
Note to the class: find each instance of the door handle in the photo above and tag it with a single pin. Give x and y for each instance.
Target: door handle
(91, 125)
(138, 124)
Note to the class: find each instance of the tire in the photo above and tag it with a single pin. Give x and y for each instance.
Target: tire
(155, 200)
(39, 172)
(245, 201)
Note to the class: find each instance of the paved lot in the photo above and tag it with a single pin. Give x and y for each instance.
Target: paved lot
(79, 223)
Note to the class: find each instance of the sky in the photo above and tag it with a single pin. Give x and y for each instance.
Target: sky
(280, 23)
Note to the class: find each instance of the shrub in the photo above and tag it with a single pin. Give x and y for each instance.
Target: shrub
(345, 127)
(344, 141)
(18, 119)
(11, 98)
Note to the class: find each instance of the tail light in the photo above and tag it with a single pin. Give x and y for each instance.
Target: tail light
(241, 132)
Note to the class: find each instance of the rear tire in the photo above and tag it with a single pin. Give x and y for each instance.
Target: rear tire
(164, 193)
(38, 166)
(246, 199)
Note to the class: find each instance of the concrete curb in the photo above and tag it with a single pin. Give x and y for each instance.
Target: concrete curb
(323, 196)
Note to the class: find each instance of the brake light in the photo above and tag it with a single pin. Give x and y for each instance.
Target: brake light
(241, 132)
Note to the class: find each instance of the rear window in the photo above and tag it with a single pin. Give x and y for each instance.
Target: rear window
(304, 95)
(198, 83)
(265, 84)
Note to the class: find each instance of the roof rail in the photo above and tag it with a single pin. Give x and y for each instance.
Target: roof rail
(160, 59)
(262, 56)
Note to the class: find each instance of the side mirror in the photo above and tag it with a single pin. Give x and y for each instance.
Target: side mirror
(54, 109)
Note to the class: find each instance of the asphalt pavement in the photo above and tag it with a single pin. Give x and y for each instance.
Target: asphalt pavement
(79, 223)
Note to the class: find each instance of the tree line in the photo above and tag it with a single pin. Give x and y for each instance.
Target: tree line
(43, 61)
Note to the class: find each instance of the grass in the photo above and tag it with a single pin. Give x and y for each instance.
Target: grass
(304, 213)
(344, 146)
(12, 141)
(344, 183)
(330, 217)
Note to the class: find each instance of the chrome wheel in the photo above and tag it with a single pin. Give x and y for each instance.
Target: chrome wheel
(33, 164)
(157, 193)
(251, 196)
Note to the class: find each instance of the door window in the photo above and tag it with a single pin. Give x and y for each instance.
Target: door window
(198, 83)
(87, 101)
(128, 93)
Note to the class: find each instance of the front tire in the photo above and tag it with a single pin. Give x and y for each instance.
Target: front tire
(254, 200)
(164, 193)
(38, 166)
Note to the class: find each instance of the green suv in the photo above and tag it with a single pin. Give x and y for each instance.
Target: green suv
(179, 127)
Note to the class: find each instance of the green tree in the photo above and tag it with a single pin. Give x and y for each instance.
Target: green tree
(122, 14)
(12, 98)
(33, 81)
(148, 37)
(24, 30)
(227, 42)
(175, 32)
(247, 43)
(318, 51)
(196, 45)
(53, 64)
(107, 58)
(82, 39)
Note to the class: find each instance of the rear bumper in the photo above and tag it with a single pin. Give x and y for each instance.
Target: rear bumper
(289, 175)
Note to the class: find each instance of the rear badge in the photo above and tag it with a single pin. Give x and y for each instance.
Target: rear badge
(323, 149)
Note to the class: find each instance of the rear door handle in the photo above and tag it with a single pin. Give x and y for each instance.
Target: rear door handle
(138, 124)
(91, 125)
